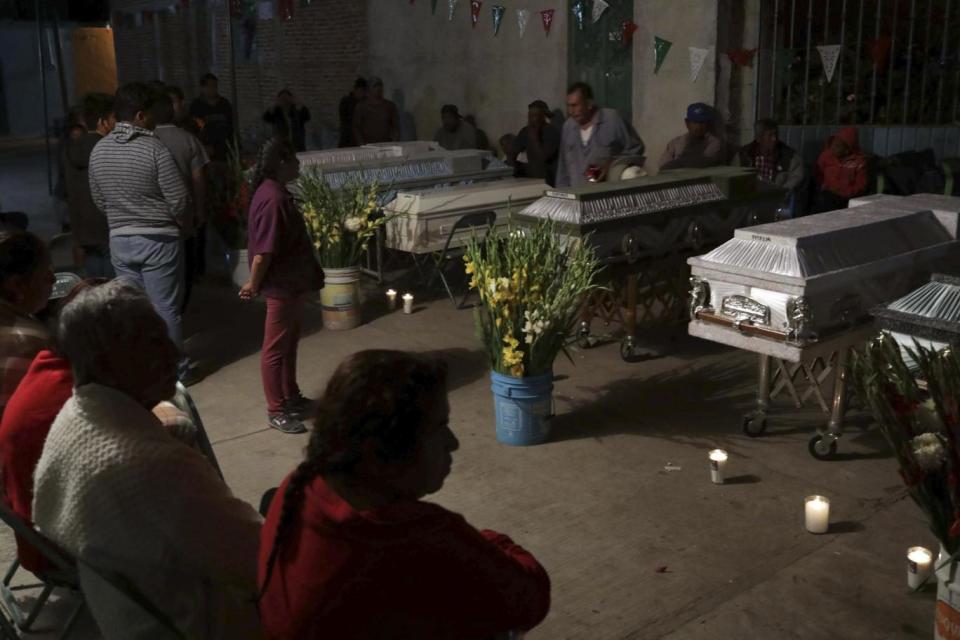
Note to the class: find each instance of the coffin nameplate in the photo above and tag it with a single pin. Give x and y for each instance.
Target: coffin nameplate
(744, 308)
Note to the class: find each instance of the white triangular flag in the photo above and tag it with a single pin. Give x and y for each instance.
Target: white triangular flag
(697, 57)
(523, 16)
(453, 7)
(265, 11)
(599, 6)
(829, 54)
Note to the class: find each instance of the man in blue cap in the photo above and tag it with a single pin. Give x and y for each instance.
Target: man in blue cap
(697, 148)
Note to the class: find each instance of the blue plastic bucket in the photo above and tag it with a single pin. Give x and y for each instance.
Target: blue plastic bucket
(524, 408)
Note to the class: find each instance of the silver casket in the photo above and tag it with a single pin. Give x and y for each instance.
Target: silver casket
(928, 316)
(656, 215)
(424, 219)
(366, 153)
(777, 289)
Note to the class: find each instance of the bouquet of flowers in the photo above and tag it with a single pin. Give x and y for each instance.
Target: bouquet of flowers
(340, 221)
(531, 284)
(918, 414)
(228, 198)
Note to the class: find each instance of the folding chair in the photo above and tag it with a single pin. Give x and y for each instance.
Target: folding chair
(471, 221)
(184, 402)
(63, 575)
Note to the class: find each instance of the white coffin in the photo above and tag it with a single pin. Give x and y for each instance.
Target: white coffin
(798, 281)
(425, 218)
(928, 316)
(366, 154)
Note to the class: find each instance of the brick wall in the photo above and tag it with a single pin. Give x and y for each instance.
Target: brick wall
(317, 55)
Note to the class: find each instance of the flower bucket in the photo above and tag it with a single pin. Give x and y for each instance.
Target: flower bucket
(241, 267)
(524, 408)
(340, 298)
(947, 619)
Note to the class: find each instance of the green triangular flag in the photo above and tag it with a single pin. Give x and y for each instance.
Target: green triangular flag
(660, 47)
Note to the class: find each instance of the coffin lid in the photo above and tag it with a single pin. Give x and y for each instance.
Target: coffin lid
(484, 195)
(798, 250)
(606, 201)
(931, 311)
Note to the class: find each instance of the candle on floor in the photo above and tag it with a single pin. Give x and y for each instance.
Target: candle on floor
(817, 514)
(919, 566)
(408, 303)
(718, 460)
(391, 299)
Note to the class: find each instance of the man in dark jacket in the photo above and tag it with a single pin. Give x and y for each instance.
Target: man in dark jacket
(289, 119)
(214, 114)
(775, 162)
(91, 235)
(537, 146)
(348, 103)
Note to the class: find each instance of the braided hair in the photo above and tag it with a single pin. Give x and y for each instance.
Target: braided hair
(272, 152)
(374, 396)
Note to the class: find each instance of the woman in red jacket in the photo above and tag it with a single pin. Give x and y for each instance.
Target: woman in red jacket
(841, 171)
(349, 549)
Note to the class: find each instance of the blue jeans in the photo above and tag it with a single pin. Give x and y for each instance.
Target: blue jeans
(156, 264)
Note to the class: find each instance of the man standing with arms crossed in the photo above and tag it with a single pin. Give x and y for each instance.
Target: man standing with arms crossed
(135, 182)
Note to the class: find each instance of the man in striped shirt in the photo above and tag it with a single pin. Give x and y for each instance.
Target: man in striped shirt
(134, 180)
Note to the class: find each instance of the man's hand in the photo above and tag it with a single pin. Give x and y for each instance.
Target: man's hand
(248, 292)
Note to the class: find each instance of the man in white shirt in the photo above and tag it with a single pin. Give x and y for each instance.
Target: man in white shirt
(592, 138)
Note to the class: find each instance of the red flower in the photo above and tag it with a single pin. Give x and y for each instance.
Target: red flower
(901, 406)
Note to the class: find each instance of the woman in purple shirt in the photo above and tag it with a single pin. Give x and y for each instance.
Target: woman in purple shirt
(282, 268)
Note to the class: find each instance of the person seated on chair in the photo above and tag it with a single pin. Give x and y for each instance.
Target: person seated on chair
(119, 493)
(842, 171)
(26, 280)
(775, 162)
(349, 548)
(699, 147)
(45, 388)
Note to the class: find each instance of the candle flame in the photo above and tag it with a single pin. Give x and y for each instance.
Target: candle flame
(718, 455)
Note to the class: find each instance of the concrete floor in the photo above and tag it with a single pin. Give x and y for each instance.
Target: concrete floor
(596, 505)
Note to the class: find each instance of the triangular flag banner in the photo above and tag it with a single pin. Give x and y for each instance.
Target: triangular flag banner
(829, 54)
(660, 49)
(599, 6)
(453, 7)
(523, 17)
(697, 57)
(547, 17)
(627, 29)
(498, 11)
(742, 57)
(475, 6)
(578, 10)
(879, 51)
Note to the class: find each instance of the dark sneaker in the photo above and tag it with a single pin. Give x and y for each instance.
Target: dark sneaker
(189, 374)
(300, 408)
(285, 423)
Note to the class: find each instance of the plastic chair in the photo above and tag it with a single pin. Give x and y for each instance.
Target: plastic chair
(63, 575)
(184, 402)
(471, 221)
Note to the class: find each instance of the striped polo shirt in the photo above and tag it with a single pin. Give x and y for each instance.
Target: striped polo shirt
(135, 182)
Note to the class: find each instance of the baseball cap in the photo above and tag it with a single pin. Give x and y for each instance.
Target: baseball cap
(700, 112)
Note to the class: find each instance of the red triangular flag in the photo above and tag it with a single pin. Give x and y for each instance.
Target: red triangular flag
(547, 16)
(285, 9)
(627, 30)
(742, 57)
(475, 11)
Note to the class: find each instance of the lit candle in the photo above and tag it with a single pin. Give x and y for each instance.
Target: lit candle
(391, 299)
(408, 303)
(718, 460)
(919, 566)
(817, 514)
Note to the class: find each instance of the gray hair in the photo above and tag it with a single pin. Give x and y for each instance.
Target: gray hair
(98, 321)
(765, 124)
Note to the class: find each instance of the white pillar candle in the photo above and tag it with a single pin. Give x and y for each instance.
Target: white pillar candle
(718, 460)
(817, 514)
(919, 566)
(391, 299)
(408, 303)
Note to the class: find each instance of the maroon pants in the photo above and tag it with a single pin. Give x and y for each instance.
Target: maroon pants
(278, 359)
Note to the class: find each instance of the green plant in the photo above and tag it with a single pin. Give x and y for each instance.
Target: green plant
(341, 221)
(531, 283)
(921, 425)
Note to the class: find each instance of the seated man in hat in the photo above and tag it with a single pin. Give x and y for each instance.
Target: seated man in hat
(775, 162)
(697, 148)
(456, 133)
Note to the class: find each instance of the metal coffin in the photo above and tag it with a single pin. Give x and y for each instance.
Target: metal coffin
(425, 218)
(778, 288)
(929, 316)
(365, 154)
(658, 215)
